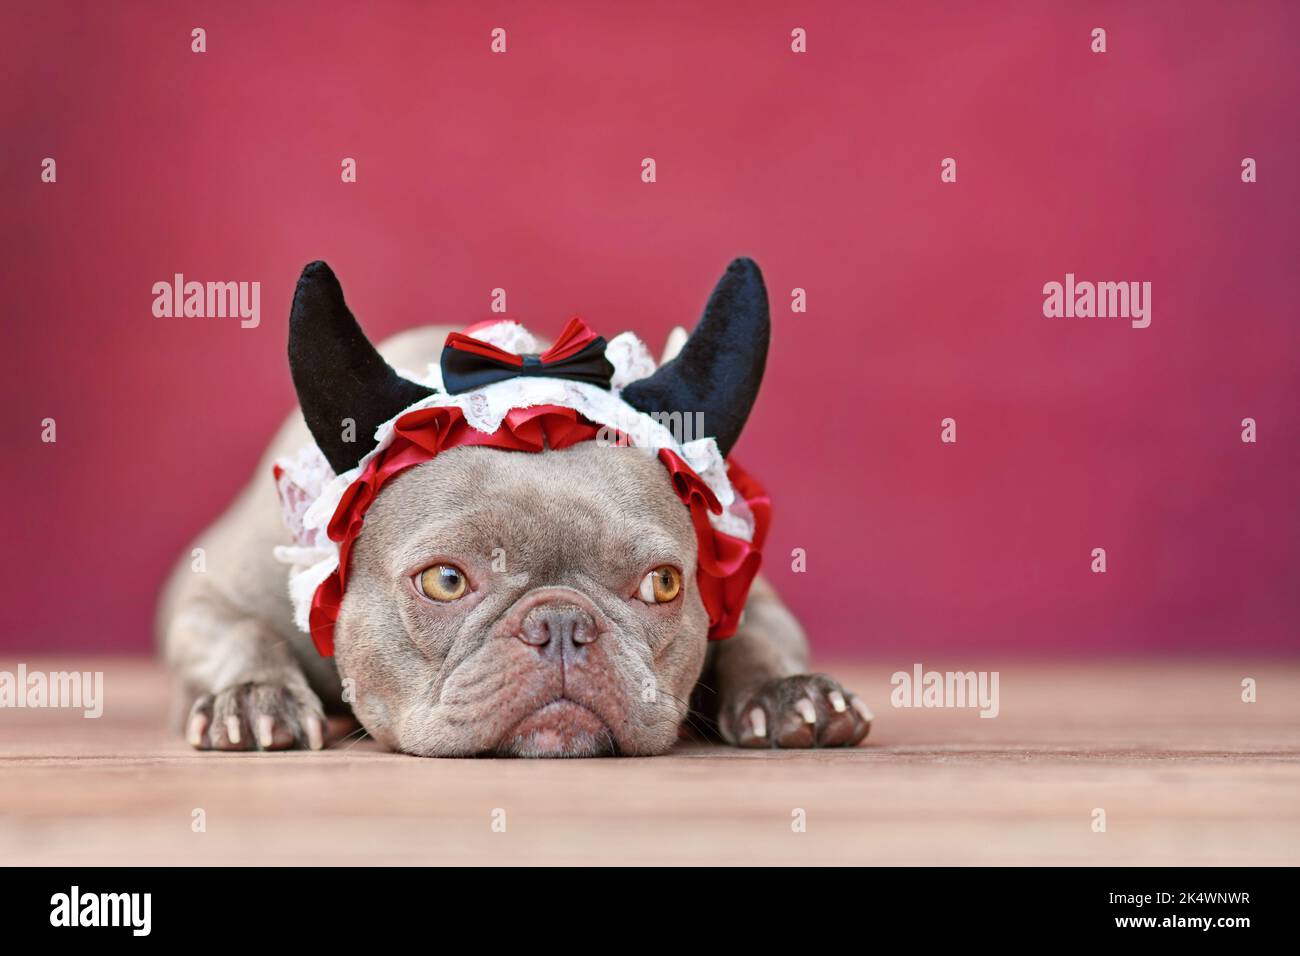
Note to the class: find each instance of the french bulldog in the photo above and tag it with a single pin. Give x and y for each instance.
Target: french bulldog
(438, 653)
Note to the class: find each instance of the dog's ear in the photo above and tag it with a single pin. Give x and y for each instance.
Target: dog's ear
(337, 372)
(718, 372)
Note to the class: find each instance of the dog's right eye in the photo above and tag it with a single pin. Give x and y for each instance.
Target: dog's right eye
(442, 582)
(661, 585)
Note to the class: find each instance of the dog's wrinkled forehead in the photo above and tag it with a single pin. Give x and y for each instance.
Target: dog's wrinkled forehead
(592, 508)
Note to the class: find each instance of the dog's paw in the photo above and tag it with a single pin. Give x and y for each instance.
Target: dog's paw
(807, 710)
(257, 717)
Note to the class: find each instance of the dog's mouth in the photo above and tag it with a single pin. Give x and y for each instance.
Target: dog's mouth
(562, 728)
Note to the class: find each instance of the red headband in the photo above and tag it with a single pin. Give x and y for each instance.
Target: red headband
(727, 564)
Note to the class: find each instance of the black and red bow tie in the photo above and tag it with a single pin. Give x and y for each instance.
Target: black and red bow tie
(578, 355)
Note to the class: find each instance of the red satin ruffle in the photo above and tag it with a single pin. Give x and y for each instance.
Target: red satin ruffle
(727, 565)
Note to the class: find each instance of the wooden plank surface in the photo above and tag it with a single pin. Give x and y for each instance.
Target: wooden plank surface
(1186, 772)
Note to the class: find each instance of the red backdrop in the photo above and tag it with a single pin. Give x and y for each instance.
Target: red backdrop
(522, 171)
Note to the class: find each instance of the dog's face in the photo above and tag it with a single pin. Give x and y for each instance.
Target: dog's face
(531, 604)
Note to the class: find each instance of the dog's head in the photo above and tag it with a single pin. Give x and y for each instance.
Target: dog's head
(523, 603)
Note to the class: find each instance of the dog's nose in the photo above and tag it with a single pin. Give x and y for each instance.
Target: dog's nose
(564, 624)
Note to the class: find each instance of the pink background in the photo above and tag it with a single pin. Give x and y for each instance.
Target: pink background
(522, 171)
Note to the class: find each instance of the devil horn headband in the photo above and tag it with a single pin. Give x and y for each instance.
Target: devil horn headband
(339, 375)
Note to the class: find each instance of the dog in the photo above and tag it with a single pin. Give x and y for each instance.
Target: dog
(540, 603)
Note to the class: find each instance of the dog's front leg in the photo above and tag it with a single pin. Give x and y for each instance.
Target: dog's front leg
(247, 690)
(766, 698)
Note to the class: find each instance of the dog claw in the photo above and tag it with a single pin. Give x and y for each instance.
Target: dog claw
(265, 731)
(315, 733)
(198, 726)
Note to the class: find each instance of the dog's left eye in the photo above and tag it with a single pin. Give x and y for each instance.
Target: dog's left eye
(661, 585)
(442, 582)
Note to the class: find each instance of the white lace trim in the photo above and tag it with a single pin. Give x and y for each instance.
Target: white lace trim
(310, 492)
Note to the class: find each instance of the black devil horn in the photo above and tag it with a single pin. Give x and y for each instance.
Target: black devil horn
(718, 372)
(339, 377)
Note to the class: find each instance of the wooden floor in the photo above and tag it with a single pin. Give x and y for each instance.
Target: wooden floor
(1185, 771)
